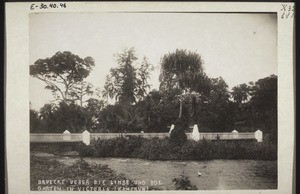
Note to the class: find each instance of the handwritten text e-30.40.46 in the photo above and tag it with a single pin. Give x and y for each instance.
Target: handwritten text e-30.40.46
(48, 6)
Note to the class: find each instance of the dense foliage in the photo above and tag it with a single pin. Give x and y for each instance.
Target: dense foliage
(178, 136)
(186, 93)
(63, 73)
(164, 149)
(127, 83)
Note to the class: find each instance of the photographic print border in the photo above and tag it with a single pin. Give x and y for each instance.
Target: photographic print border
(17, 93)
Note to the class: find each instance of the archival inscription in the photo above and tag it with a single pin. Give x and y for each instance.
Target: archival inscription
(98, 185)
(45, 6)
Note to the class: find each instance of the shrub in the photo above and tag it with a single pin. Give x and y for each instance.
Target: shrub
(178, 136)
(165, 149)
(57, 148)
(183, 183)
(84, 150)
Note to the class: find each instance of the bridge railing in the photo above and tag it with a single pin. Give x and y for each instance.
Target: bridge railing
(86, 136)
(55, 137)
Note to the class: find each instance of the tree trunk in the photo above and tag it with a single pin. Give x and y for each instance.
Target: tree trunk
(81, 94)
(194, 110)
(180, 109)
(253, 116)
(66, 93)
(149, 120)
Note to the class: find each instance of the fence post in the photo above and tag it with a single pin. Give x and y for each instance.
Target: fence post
(66, 135)
(86, 137)
(235, 134)
(258, 135)
(195, 133)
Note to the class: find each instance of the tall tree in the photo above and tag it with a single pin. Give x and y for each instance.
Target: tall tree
(241, 93)
(143, 76)
(79, 90)
(125, 76)
(67, 116)
(109, 91)
(126, 83)
(218, 110)
(47, 110)
(34, 120)
(264, 93)
(94, 108)
(180, 69)
(264, 103)
(259, 106)
(62, 72)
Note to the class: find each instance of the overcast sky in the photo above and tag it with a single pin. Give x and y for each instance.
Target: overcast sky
(238, 47)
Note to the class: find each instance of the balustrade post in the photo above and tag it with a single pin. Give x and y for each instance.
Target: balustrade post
(258, 135)
(195, 133)
(235, 134)
(86, 137)
(171, 128)
(66, 135)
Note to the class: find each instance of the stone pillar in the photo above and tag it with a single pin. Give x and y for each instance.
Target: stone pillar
(66, 135)
(171, 128)
(66, 132)
(86, 137)
(195, 133)
(258, 135)
(235, 134)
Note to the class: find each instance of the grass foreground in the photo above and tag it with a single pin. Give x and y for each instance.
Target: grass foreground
(50, 175)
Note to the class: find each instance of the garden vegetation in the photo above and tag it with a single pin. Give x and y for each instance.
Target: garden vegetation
(185, 92)
(164, 149)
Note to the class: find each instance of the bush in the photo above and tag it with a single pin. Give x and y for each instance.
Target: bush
(183, 183)
(158, 149)
(57, 148)
(84, 150)
(178, 136)
(164, 149)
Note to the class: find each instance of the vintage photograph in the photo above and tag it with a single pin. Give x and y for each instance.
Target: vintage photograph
(140, 101)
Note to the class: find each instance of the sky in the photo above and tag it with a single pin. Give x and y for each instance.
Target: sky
(238, 47)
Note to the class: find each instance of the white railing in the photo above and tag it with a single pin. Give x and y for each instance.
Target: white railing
(86, 136)
(114, 135)
(52, 137)
(227, 136)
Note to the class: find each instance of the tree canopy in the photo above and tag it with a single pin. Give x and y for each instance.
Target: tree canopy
(127, 83)
(184, 86)
(182, 70)
(62, 72)
(241, 93)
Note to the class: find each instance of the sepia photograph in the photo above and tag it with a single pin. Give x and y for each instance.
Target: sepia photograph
(152, 99)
